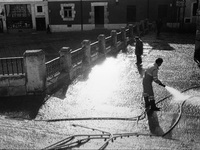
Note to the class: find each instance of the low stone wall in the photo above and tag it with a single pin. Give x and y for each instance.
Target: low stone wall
(13, 85)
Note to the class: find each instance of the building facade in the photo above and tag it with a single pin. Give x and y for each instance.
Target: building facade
(182, 14)
(23, 15)
(190, 14)
(78, 15)
(67, 15)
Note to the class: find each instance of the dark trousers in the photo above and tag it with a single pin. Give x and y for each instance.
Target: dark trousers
(139, 59)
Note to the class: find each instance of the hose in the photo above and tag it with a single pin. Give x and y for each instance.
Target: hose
(177, 120)
(89, 118)
(112, 137)
(137, 118)
(67, 143)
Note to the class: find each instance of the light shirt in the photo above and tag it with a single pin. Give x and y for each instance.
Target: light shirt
(152, 70)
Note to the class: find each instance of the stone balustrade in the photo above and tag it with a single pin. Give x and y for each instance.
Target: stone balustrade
(45, 77)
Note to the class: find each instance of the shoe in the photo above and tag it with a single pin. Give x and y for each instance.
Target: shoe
(138, 64)
(155, 109)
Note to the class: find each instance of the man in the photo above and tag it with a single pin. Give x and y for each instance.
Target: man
(138, 50)
(150, 75)
(159, 25)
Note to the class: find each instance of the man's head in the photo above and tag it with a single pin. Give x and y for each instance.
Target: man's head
(137, 38)
(159, 61)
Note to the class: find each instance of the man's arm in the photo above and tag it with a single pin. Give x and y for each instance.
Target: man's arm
(155, 78)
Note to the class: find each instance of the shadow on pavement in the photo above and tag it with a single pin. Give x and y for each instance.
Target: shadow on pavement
(140, 70)
(154, 125)
(165, 39)
(161, 45)
(153, 122)
(21, 106)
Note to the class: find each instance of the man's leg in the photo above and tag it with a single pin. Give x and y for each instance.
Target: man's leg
(153, 104)
(139, 59)
(146, 100)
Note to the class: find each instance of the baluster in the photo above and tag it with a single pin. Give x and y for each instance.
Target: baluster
(12, 68)
(17, 67)
(22, 64)
(2, 65)
(7, 67)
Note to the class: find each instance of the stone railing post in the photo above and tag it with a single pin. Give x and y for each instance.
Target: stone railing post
(124, 39)
(66, 61)
(131, 38)
(86, 61)
(102, 44)
(35, 69)
(114, 47)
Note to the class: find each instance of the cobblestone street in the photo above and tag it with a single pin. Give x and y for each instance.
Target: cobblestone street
(113, 89)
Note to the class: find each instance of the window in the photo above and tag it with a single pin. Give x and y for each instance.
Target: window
(194, 10)
(67, 12)
(39, 9)
(18, 16)
(187, 20)
(18, 11)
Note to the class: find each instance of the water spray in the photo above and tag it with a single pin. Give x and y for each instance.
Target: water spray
(177, 95)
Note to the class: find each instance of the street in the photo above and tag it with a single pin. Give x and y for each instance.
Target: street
(113, 89)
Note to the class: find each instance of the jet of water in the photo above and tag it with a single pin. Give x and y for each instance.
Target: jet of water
(177, 95)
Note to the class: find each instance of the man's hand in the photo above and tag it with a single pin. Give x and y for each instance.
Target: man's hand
(162, 84)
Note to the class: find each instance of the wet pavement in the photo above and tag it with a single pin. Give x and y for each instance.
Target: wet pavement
(113, 89)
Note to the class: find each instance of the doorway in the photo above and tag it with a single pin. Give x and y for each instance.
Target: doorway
(162, 11)
(99, 16)
(40, 24)
(1, 25)
(131, 14)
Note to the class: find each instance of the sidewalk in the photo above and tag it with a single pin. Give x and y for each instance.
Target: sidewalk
(178, 71)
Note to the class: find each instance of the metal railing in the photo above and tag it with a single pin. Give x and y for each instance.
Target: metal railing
(11, 65)
(53, 67)
(108, 41)
(94, 48)
(77, 56)
(127, 33)
(119, 36)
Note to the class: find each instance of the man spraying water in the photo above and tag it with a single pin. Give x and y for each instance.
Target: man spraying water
(150, 75)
